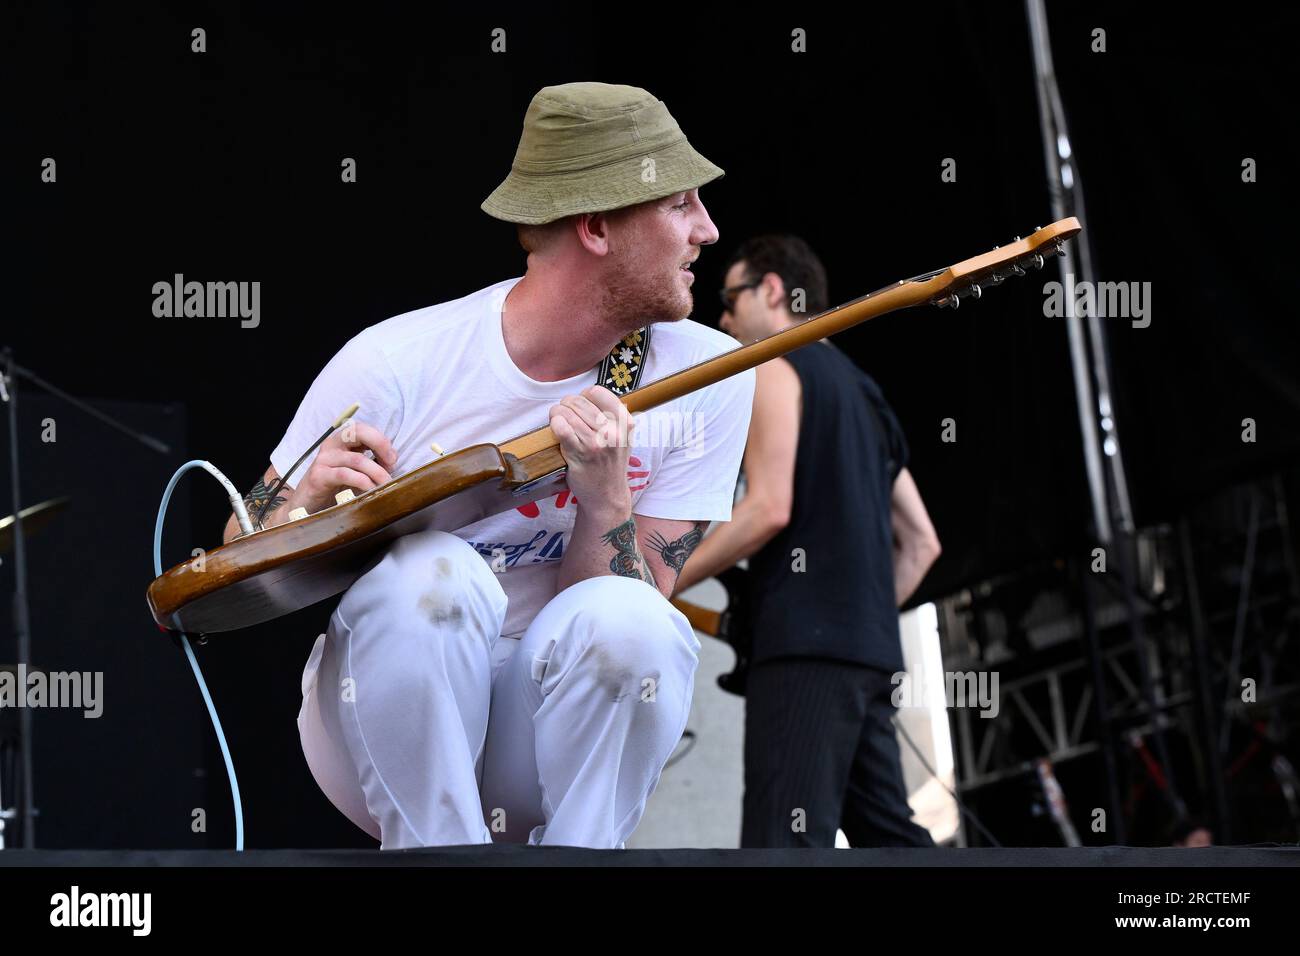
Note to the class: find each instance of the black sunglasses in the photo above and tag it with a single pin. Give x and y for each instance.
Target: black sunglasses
(731, 293)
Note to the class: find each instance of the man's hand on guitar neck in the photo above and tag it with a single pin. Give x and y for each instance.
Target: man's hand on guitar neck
(594, 432)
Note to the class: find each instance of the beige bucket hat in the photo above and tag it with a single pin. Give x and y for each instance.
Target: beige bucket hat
(592, 147)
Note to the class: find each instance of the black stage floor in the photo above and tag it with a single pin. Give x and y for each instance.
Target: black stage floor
(515, 856)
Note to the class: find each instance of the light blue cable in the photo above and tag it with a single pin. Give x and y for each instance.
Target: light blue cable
(189, 653)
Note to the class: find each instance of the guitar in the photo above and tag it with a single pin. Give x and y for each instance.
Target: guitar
(733, 626)
(273, 572)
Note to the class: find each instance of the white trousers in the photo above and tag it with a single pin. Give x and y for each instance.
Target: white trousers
(425, 727)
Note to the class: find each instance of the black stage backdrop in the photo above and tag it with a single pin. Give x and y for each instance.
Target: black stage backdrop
(225, 166)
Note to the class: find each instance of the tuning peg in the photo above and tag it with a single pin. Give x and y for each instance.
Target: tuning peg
(1037, 260)
(994, 279)
(975, 291)
(951, 302)
(1016, 270)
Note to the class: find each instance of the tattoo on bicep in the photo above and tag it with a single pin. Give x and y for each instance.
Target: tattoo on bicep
(627, 561)
(675, 553)
(256, 498)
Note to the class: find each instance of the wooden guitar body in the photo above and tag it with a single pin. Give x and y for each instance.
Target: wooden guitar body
(271, 573)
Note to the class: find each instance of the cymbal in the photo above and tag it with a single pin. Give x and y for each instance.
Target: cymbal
(34, 519)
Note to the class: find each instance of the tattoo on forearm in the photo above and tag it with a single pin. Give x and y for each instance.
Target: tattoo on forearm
(627, 561)
(675, 553)
(256, 498)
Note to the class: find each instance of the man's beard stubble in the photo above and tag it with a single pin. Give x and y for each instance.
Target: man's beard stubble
(632, 299)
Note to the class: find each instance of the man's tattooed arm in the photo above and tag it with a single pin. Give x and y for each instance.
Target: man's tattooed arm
(256, 498)
(628, 561)
(674, 553)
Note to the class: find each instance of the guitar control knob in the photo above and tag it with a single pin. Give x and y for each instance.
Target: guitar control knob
(297, 513)
(344, 496)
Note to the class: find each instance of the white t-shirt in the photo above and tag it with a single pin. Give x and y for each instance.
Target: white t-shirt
(442, 374)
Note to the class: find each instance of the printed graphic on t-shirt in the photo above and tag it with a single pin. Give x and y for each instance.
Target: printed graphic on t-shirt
(548, 544)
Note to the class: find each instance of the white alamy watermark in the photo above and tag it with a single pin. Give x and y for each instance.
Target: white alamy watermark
(659, 428)
(959, 689)
(1118, 300)
(656, 428)
(208, 300)
(77, 690)
(75, 908)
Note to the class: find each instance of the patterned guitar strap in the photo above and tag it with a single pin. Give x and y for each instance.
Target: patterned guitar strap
(620, 371)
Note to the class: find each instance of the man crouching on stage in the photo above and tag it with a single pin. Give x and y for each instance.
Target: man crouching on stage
(525, 678)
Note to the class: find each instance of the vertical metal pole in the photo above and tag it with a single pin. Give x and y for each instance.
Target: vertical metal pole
(1057, 153)
(22, 625)
(1062, 186)
(1105, 726)
(1201, 673)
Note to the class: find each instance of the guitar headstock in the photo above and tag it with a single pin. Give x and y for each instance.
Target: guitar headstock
(969, 278)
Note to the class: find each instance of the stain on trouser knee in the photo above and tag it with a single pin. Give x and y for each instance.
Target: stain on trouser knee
(441, 602)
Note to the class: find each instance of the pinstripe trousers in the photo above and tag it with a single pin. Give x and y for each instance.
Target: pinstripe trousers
(821, 755)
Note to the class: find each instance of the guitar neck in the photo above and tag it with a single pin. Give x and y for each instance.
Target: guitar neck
(942, 287)
(700, 618)
(900, 295)
(889, 299)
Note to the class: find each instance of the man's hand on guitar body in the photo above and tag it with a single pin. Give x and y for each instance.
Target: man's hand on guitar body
(342, 463)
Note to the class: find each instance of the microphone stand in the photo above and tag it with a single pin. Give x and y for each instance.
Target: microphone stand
(22, 614)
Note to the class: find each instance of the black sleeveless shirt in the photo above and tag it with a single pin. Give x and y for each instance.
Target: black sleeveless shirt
(824, 585)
